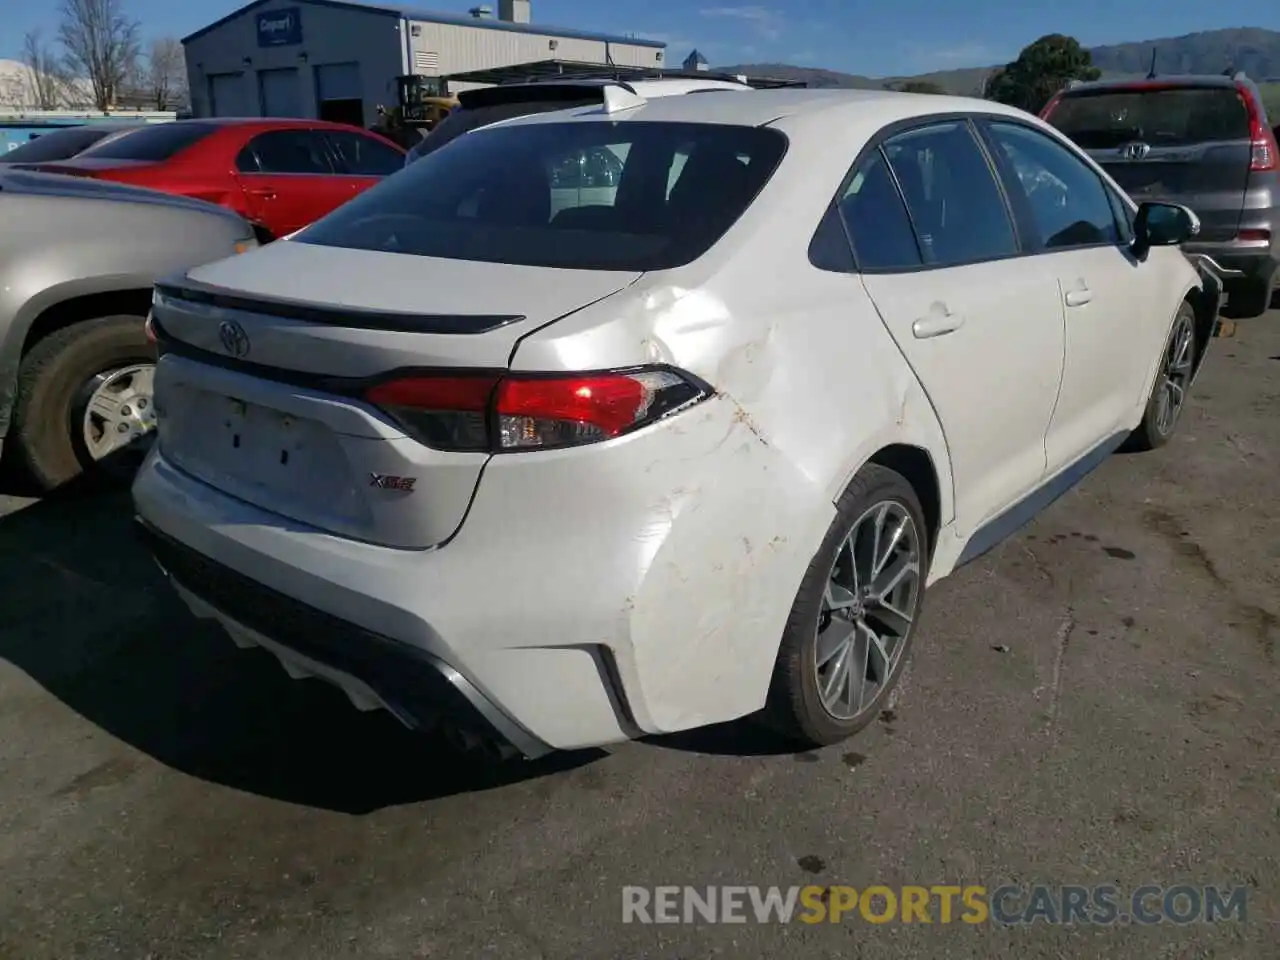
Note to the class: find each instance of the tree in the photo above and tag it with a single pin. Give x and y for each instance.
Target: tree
(44, 76)
(1041, 70)
(166, 73)
(101, 45)
(918, 86)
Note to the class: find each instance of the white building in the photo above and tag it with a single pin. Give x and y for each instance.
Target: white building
(339, 59)
(18, 89)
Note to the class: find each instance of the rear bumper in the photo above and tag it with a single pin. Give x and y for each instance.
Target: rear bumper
(422, 691)
(1236, 262)
(591, 596)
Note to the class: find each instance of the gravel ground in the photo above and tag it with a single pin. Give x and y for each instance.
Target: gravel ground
(1093, 702)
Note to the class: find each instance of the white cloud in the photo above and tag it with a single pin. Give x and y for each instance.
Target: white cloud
(765, 22)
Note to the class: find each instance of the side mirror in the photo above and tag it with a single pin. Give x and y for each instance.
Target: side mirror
(1162, 225)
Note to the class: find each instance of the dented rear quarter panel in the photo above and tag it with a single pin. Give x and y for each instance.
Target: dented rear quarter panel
(809, 386)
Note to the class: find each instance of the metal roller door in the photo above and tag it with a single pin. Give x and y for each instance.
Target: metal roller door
(227, 95)
(280, 96)
(338, 81)
(338, 94)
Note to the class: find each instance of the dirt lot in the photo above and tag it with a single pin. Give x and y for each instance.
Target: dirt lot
(1092, 703)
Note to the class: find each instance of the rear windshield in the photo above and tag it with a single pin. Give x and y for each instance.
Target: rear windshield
(1161, 117)
(154, 142)
(586, 196)
(462, 119)
(57, 145)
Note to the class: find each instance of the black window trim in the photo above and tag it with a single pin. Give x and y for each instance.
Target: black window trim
(977, 123)
(1021, 203)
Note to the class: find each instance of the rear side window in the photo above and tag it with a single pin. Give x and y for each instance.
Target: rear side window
(154, 143)
(877, 220)
(956, 206)
(1177, 116)
(587, 196)
(286, 151)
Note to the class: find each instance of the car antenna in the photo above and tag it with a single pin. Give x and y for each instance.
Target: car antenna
(1151, 74)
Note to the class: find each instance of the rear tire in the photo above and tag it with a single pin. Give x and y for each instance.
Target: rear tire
(52, 380)
(808, 699)
(1172, 385)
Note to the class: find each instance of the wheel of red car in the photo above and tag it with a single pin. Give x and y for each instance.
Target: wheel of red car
(84, 402)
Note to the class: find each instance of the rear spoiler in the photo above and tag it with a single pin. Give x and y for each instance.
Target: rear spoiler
(537, 91)
(616, 95)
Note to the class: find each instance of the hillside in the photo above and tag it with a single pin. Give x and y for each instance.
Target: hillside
(1251, 49)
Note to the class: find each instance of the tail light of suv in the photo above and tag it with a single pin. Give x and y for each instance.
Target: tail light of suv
(1263, 155)
(509, 412)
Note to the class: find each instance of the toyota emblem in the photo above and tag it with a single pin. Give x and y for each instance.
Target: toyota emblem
(1134, 151)
(234, 340)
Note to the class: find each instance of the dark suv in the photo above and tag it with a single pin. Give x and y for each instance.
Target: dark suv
(1203, 141)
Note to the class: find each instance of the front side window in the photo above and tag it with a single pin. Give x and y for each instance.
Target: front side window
(1068, 201)
(590, 196)
(363, 156)
(956, 206)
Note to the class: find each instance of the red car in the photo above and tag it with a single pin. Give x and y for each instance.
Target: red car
(279, 174)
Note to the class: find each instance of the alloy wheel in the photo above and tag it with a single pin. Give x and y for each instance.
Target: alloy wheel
(1175, 375)
(868, 608)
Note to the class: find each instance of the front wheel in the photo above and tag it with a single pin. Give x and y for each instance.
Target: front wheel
(854, 617)
(84, 403)
(1173, 382)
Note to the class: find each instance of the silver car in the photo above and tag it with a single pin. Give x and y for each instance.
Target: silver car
(1203, 141)
(78, 259)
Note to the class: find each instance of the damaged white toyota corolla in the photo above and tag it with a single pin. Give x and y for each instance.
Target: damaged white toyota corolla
(629, 419)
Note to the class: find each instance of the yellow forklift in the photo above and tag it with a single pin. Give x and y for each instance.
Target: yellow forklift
(422, 103)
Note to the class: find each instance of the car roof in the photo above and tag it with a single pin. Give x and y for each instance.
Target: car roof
(1155, 83)
(268, 123)
(768, 106)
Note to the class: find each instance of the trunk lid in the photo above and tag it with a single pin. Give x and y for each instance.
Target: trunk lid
(264, 358)
(1186, 144)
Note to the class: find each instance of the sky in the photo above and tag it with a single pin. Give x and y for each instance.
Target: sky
(855, 36)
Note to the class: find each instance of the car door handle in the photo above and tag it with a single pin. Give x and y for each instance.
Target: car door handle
(266, 193)
(940, 320)
(1078, 298)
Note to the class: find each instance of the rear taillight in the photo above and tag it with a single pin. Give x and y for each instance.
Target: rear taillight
(1264, 155)
(1050, 106)
(532, 411)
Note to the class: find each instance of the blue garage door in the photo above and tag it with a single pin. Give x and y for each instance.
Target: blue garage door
(338, 81)
(338, 94)
(227, 96)
(280, 96)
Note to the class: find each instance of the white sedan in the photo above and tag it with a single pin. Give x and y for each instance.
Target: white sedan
(560, 471)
